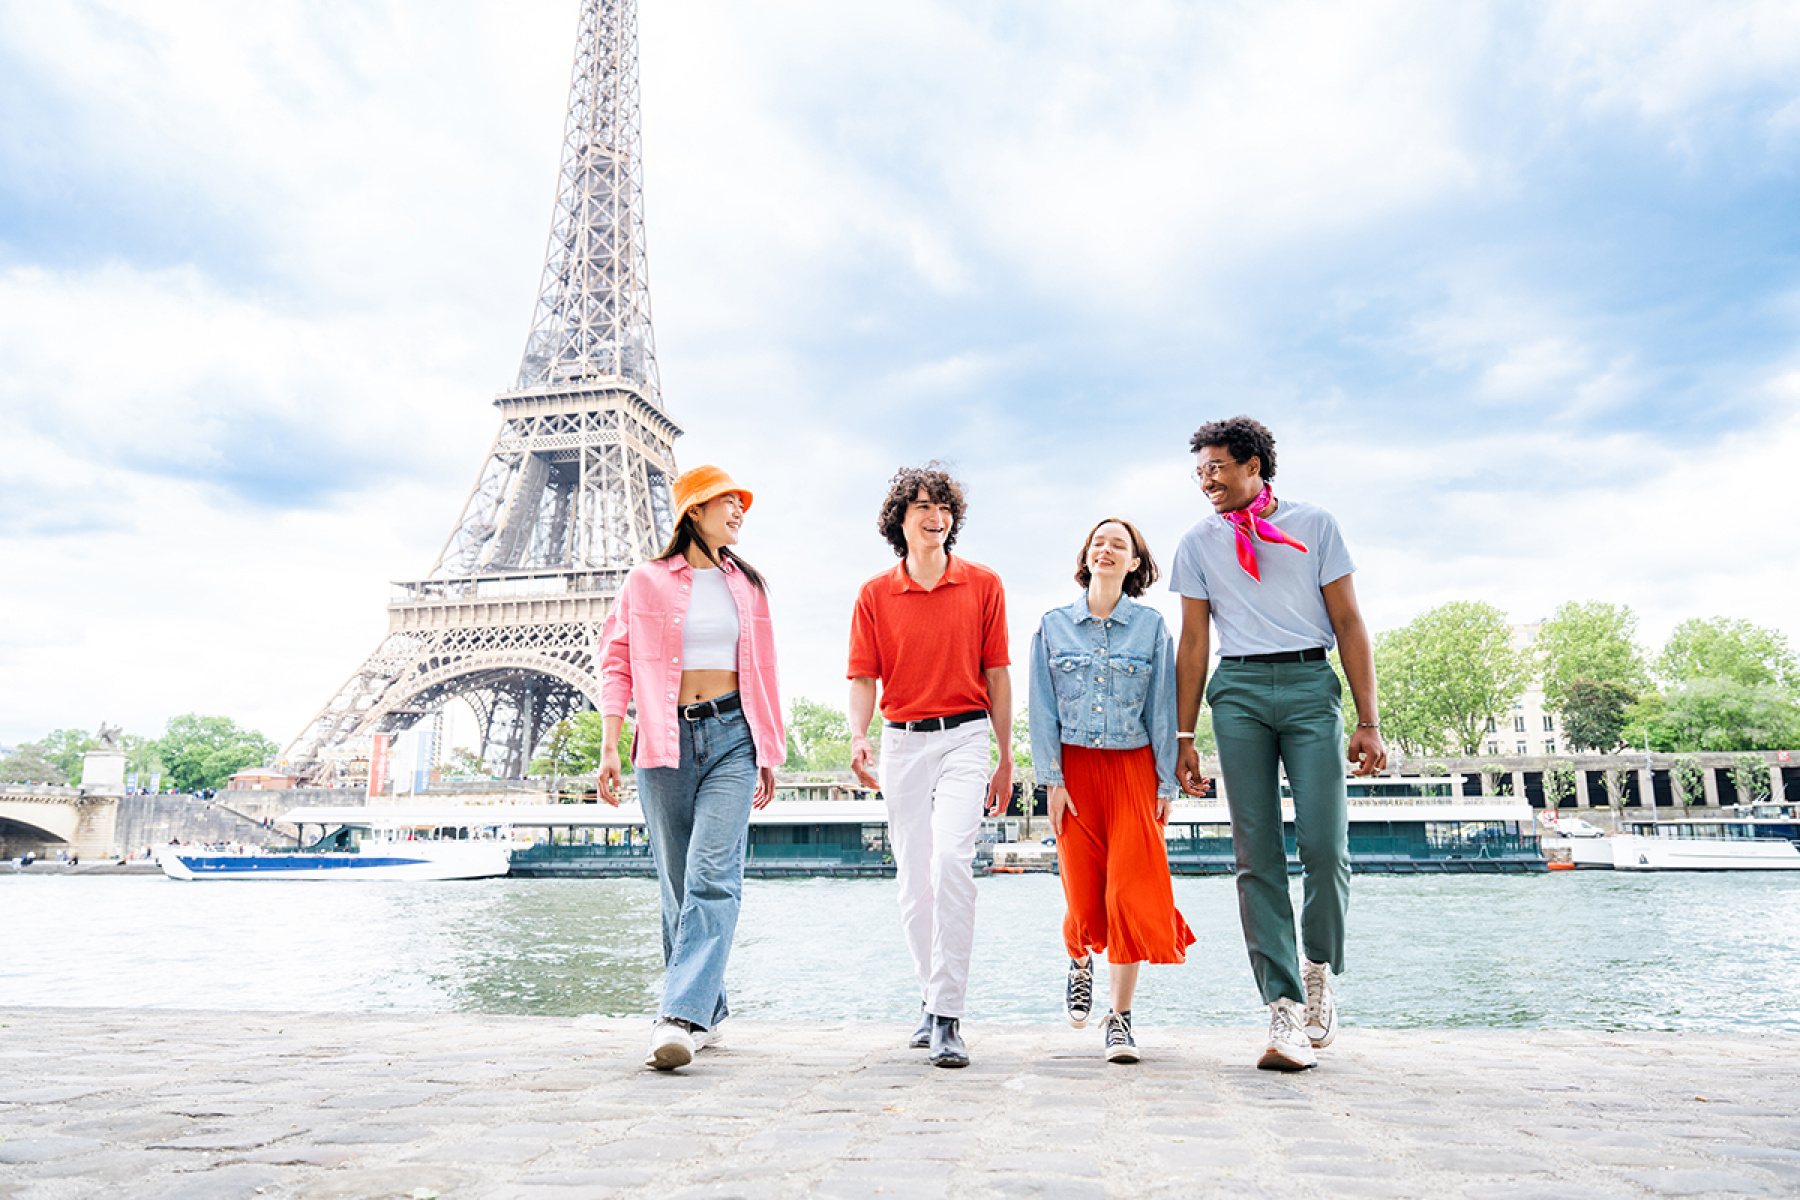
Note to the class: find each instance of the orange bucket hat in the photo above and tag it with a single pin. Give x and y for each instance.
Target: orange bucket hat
(700, 484)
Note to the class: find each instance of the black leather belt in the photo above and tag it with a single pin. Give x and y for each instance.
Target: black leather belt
(1310, 654)
(932, 724)
(730, 702)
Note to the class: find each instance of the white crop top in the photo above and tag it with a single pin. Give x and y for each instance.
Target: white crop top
(709, 636)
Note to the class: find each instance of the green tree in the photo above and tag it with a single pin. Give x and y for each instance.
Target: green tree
(1021, 740)
(1444, 674)
(1750, 778)
(466, 763)
(29, 764)
(1688, 781)
(1589, 643)
(66, 748)
(1594, 713)
(1719, 715)
(575, 747)
(1728, 648)
(819, 736)
(205, 752)
(1559, 786)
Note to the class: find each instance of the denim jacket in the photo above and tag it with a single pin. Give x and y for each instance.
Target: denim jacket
(1107, 683)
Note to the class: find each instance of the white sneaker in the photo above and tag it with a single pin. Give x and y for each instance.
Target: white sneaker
(1321, 1008)
(1289, 1048)
(671, 1045)
(705, 1037)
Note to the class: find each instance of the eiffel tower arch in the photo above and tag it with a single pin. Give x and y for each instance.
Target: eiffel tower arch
(574, 491)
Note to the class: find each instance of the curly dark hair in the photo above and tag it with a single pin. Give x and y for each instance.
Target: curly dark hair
(1135, 582)
(1242, 437)
(904, 487)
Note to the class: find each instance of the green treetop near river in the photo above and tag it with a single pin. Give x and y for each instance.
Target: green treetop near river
(1718, 685)
(195, 752)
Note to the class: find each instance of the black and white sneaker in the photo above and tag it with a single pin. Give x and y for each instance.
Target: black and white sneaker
(1078, 999)
(1120, 1047)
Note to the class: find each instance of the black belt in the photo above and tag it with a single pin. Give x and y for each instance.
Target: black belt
(1310, 654)
(730, 702)
(932, 724)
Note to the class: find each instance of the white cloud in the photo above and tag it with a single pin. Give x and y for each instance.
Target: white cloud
(379, 179)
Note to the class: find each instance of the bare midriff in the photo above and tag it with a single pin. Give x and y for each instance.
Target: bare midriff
(698, 686)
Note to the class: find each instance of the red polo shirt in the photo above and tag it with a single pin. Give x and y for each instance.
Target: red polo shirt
(930, 648)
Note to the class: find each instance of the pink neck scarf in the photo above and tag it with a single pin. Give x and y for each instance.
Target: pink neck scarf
(1249, 525)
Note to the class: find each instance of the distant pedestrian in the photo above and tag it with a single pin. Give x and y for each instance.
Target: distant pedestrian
(1103, 740)
(689, 638)
(1274, 576)
(929, 637)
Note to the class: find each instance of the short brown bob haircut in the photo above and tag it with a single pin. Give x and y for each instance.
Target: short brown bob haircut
(1137, 580)
(903, 489)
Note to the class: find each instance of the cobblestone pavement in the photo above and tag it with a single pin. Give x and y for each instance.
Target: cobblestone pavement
(211, 1106)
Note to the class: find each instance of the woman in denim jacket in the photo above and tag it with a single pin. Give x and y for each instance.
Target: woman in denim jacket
(1103, 739)
(689, 638)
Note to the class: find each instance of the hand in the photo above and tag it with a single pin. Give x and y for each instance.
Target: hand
(999, 794)
(765, 787)
(1366, 751)
(1187, 770)
(610, 777)
(862, 762)
(1162, 809)
(1060, 802)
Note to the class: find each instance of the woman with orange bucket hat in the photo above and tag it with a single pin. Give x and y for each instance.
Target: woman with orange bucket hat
(689, 638)
(1103, 739)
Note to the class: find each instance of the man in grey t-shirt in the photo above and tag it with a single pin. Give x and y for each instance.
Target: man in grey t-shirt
(1274, 576)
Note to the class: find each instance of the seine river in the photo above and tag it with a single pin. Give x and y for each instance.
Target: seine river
(1581, 950)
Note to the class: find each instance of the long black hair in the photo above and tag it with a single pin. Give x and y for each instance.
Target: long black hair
(688, 534)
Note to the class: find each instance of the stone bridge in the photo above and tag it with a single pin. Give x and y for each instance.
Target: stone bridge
(46, 819)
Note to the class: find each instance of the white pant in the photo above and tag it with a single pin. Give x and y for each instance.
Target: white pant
(934, 783)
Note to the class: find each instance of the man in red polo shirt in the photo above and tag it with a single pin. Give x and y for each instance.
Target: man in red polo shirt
(932, 631)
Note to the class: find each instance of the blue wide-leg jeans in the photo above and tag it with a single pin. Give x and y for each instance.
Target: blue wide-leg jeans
(698, 816)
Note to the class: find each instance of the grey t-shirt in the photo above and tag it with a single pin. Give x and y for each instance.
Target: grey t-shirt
(1286, 610)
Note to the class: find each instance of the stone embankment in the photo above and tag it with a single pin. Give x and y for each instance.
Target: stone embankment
(203, 1105)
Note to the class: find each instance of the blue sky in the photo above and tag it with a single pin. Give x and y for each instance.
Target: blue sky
(1517, 286)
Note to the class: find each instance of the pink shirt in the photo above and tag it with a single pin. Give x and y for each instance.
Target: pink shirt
(640, 655)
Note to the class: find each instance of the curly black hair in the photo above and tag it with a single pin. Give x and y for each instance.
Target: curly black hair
(1242, 437)
(904, 487)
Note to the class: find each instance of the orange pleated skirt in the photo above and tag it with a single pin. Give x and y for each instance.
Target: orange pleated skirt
(1114, 861)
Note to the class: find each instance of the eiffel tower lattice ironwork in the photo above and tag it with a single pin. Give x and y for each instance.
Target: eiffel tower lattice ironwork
(575, 491)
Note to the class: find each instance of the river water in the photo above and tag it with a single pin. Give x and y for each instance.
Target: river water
(1578, 950)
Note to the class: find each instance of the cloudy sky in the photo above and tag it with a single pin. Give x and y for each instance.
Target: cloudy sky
(1516, 284)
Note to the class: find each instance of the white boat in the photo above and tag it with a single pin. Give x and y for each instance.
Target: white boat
(362, 844)
(1706, 844)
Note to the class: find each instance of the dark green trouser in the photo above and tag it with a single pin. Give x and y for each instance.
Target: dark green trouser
(1266, 716)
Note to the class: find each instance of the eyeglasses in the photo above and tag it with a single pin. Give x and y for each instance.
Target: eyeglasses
(1208, 471)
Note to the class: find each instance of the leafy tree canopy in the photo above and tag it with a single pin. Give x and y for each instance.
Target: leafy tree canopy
(1594, 713)
(66, 748)
(1716, 715)
(575, 747)
(819, 736)
(205, 752)
(29, 764)
(1592, 642)
(1728, 648)
(1444, 674)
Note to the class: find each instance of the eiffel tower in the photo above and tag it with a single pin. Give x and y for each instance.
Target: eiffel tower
(575, 490)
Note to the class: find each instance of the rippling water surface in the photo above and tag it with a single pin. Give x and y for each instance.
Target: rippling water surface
(1589, 950)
